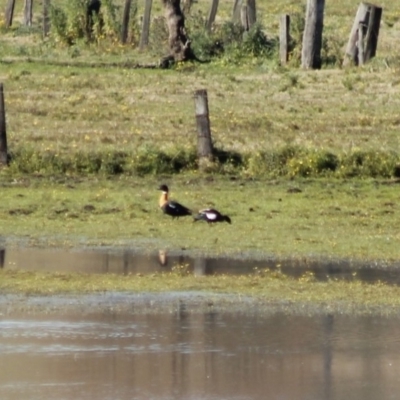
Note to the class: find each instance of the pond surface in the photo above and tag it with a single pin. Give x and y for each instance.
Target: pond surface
(130, 262)
(183, 354)
(199, 356)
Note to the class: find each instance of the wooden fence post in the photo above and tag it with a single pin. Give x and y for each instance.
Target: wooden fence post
(28, 12)
(248, 14)
(125, 21)
(360, 44)
(46, 18)
(312, 38)
(144, 37)
(212, 14)
(2, 257)
(200, 266)
(3, 132)
(284, 38)
(9, 13)
(369, 17)
(204, 141)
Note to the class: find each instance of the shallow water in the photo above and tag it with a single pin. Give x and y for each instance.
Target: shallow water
(199, 356)
(131, 262)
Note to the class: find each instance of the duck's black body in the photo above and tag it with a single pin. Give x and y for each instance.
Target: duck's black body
(172, 208)
(175, 209)
(211, 216)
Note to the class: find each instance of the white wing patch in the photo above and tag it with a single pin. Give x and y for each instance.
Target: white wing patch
(210, 215)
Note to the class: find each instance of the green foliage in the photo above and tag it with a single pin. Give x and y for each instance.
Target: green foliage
(70, 23)
(288, 161)
(204, 44)
(148, 160)
(111, 20)
(59, 23)
(332, 51)
(256, 44)
(158, 40)
(369, 164)
(134, 28)
(297, 25)
(312, 163)
(229, 40)
(294, 162)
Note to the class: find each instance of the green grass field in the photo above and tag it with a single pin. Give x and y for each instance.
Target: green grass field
(254, 107)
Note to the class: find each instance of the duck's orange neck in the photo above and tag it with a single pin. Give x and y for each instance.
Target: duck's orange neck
(163, 199)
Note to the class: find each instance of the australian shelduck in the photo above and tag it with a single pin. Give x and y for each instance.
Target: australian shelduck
(211, 216)
(169, 207)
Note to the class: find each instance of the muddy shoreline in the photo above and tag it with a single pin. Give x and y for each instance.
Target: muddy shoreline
(179, 303)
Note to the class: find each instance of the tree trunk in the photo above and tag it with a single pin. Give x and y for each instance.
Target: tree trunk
(28, 12)
(212, 14)
(125, 21)
(179, 43)
(144, 37)
(46, 18)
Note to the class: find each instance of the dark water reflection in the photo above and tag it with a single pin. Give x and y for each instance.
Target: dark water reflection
(200, 356)
(130, 262)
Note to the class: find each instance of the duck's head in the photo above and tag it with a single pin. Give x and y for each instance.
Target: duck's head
(163, 188)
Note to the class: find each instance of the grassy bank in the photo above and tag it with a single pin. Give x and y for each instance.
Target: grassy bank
(265, 289)
(285, 123)
(288, 219)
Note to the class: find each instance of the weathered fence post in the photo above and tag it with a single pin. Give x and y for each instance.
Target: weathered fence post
(369, 18)
(2, 257)
(3, 133)
(9, 13)
(204, 141)
(28, 12)
(284, 38)
(248, 14)
(200, 266)
(46, 18)
(163, 257)
(144, 38)
(212, 14)
(312, 37)
(125, 21)
(361, 56)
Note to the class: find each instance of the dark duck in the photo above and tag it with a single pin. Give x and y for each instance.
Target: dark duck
(169, 207)
(211, 216)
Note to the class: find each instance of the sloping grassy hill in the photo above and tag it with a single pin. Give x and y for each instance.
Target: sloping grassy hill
(59, 106)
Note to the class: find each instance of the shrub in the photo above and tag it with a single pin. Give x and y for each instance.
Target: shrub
(69, 22)
(229, 40)
(288, 161)
(369, 164)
